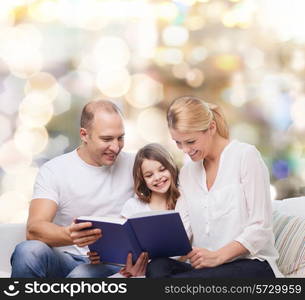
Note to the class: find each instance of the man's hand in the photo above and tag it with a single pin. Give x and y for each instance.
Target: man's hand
(201, 257)
(82, 237)
(138, 269)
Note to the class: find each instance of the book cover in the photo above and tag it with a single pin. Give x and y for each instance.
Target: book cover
(161, 234)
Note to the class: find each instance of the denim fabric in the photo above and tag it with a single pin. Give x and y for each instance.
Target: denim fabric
(35, 259)
(94, 271)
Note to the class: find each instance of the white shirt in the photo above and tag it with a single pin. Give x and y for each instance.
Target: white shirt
(133, 206)
(237, 206)
(82, 189)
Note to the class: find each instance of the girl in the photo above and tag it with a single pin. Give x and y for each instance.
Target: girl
(156, 188)
(155, 181)
(225, 199)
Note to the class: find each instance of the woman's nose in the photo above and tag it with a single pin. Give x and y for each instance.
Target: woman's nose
(186, 149)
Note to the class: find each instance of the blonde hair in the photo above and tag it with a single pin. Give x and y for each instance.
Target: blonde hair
(189, 113)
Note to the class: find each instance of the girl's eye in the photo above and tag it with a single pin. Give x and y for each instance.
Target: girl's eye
(147, 176)
(191, 142)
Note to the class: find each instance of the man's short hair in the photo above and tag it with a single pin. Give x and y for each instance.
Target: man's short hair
(91, 107)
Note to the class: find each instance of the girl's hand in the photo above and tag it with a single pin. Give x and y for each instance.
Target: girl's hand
(138, 269)
(182, 258)
(201, 258)
(94, 257)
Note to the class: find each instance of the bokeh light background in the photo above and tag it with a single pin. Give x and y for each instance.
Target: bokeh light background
(56, 55)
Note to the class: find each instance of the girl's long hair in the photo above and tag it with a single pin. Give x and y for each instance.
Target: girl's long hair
(158, 153)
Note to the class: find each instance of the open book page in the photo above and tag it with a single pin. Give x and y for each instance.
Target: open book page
(114, 220)
(122, 220)
(152, 213)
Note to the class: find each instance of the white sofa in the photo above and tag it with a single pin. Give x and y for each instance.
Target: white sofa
(10, 236)
(289, 231)
(288, 227)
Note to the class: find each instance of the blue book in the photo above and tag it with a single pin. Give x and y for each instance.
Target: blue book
(160, 233)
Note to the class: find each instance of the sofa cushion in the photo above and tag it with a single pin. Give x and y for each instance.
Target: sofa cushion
(290, 206)
(10, 236)
(299, 273)
(290, 242)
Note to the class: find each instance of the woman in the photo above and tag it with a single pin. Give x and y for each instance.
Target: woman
(225, 199)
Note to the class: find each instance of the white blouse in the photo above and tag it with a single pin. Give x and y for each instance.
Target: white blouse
(133, 206)
(237, 206)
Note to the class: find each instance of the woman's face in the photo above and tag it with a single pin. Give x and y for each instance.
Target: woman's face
(157, 177)
(195, 144)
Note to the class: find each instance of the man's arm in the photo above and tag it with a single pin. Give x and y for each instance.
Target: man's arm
(40, 227)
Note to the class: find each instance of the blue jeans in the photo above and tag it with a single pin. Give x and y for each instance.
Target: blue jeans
(241, 268)
(35, 259)
(94, 271)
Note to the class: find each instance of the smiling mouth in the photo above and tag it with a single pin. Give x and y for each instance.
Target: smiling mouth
(161, 184)
(193, 154)
(110, 156)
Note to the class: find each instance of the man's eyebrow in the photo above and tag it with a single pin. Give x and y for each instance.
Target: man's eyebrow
(110, 136)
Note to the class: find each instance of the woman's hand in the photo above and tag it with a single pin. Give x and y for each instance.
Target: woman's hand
(138, 269)
(201, 258)
(94, 257)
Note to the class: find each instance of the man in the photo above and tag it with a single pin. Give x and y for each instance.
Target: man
(95, 179)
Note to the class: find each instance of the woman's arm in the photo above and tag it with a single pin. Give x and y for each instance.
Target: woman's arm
(256, 187)
(201, 257)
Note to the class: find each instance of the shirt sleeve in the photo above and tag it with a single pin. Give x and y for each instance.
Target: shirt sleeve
(129, 208)
(256, 187)
(45, 185)
(181, 207)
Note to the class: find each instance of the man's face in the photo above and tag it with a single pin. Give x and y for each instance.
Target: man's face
(104, 139)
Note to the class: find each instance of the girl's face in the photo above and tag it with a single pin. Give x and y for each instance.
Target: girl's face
(157, 177)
